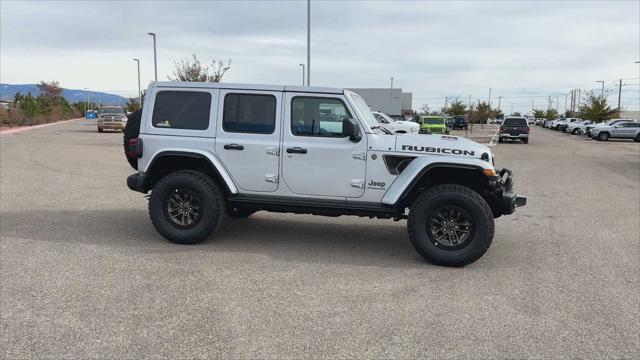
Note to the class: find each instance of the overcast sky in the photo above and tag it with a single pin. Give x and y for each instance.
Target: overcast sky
(523, 50)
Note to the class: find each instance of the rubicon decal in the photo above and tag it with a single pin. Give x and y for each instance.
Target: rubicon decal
(430, 149)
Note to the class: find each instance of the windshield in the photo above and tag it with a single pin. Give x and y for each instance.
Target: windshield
(433, 121)
(112, 110)
(363, 109)
(386, 117)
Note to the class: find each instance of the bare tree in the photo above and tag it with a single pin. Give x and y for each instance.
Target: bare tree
(50, 90)
(190, 69)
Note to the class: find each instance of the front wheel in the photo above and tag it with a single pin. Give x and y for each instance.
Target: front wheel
(603, 136)
(186, 207)
(450, 225)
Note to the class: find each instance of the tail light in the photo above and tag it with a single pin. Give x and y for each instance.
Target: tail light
(528, 129)
(135, 148)
(502, 129)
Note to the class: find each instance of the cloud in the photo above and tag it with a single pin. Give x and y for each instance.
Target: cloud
(432, 48)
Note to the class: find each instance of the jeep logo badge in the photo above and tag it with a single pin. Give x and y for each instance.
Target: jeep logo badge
(376, 184)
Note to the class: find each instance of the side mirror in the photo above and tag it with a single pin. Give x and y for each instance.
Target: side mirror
(351, 129)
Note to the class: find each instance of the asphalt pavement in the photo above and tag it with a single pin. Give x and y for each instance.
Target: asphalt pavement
(85, 275)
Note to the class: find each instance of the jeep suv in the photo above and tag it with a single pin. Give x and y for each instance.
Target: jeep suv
(213, 151)
(432, 124)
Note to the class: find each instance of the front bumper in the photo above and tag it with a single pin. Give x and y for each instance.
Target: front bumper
(502, 199)
(112, 125)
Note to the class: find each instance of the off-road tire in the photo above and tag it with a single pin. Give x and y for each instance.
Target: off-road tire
(637, 138)
(239, 212)
(603, 136)
(211, 204)
(132, 131)
(450, 195)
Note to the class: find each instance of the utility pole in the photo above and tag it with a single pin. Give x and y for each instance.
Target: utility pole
(499, 101)
(308, 42)
(619, 94)
(579, 99)
(303, 75)
(446, 102)
(602, 91)
(489, 98)
(549, 105)
(139, 91)
(565, 103)
(155, 57)
(469, 102)
(391, 96)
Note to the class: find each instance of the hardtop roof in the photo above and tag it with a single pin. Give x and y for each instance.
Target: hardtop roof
(259, 87)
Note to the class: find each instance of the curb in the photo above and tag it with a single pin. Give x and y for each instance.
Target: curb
(20, 129)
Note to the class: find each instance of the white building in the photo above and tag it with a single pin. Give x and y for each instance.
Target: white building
(389, 101)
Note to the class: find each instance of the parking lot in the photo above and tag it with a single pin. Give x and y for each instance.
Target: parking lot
(85, 275)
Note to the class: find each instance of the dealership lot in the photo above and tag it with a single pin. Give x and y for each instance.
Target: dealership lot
(84, 274)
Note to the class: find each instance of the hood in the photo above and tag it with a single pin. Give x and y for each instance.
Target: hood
(432, 144)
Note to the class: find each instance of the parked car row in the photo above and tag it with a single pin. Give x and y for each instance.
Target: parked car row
(615, 128)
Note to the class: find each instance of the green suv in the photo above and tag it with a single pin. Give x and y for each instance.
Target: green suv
(433, 124)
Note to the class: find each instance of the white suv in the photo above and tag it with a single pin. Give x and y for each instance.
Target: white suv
(208, 151)
(396, 126)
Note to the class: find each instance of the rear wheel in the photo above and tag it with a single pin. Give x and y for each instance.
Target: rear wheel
(637, 138)
(603, 136)
(100, 130)
(574, 131)
(450, 225)
(186, 207)
(526, 141)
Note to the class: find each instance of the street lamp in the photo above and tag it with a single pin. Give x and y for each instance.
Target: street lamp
(139, 92)
(302, 73)
(308, 42)
(391, 95)
(86, 98)
(511, 108)
(489, 98)
(155, 58)
(601, 92)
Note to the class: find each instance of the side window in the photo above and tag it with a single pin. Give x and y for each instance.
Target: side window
(249, 113)
(182, 110)
(631, 125)
(313, 116)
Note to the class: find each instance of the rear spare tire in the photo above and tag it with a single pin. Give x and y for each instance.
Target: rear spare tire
(450, 225)
(132, 131)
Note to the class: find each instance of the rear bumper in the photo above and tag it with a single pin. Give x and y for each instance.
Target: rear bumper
(512, 136)
(138, 182)
(502, 199)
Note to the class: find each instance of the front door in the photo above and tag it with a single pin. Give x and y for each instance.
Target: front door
(248, 137)
(317, 159)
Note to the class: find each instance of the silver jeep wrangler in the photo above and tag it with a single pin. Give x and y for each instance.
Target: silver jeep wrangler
(209, 151)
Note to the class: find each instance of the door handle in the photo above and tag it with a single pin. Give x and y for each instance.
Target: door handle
(233, 147)
(296, 150)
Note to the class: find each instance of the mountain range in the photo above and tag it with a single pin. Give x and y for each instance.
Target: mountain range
(8, 91)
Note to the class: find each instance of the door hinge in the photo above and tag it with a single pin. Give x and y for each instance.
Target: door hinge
(357, 183)
(273, 151)
(360, 156)
(272, 178)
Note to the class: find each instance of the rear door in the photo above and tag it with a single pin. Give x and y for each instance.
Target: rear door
(248, 137)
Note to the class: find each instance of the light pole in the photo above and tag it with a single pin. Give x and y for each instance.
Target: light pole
(391, 95)
(302, 73)
(86, 98)
(565, 103)
(469, 106)
(155, 57)
(139, 92)
(308, 42)
(489, 98)
(511, 108)
(602, 91)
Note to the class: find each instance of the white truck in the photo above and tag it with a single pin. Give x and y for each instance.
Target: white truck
(209, 151)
